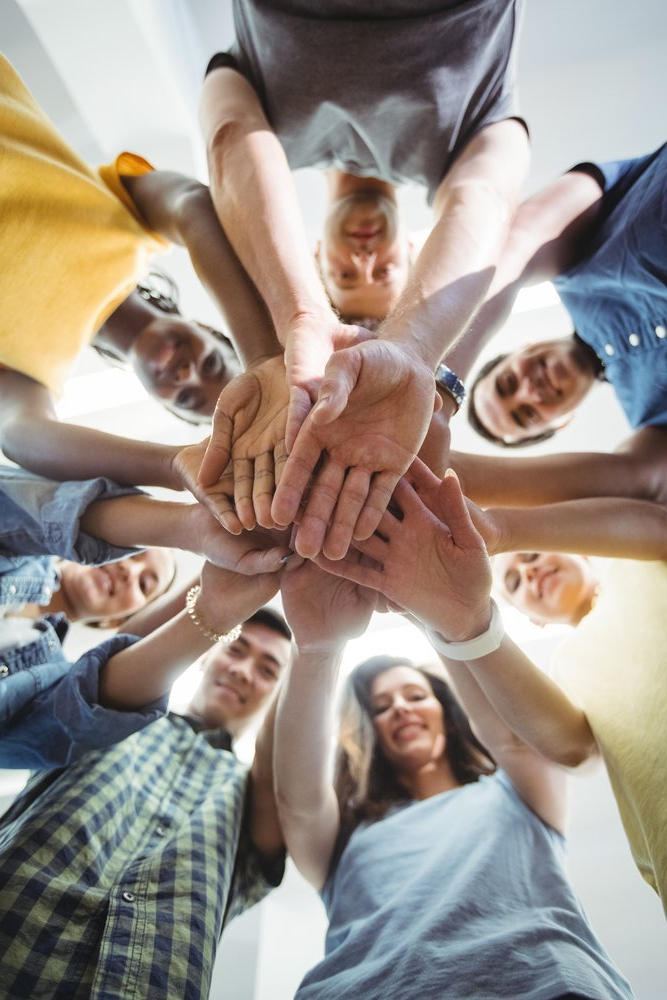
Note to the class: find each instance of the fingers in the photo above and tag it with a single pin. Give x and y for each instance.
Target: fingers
(218, 452)
(294, 478)
(263, 488)
(454, 511)
(300, 404)
(340, 378)
(351, 569)
(321, 504)
(263, 560)
(380, 493)
(353, 495)
(244, 478)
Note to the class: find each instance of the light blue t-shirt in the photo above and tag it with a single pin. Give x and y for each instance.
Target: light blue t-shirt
(462, 895)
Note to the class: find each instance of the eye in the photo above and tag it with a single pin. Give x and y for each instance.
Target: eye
(379, 708)
(212, 365)
(506, 384)
(511, 581)
(382, 272)
(187, 399)
(147, 583)
(529, 557)
(269, 673)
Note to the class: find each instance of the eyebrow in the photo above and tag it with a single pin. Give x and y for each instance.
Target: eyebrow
(265, 656)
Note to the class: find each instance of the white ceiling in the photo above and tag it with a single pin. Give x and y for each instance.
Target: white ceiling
(125, 74)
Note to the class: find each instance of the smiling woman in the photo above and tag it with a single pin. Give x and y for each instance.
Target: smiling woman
(185, 365)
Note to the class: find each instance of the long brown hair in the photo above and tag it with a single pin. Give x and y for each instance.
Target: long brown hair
(365, 782)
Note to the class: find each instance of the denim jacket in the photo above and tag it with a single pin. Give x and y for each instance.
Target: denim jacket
(48, 709)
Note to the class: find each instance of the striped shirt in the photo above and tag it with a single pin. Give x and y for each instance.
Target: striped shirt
(118, 872)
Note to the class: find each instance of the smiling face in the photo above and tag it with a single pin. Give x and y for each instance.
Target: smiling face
(183, 365)
(407, 719)
(533, 389)
(549, 587)
(238, 679)
(117, 589)
(364, 256)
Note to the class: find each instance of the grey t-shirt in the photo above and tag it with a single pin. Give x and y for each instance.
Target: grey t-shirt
(461, 896)
(378, 88)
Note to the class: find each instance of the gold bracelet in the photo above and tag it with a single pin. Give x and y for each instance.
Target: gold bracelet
(191, 608)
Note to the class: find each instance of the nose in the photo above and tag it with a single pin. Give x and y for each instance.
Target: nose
(242, 668)
(364, 260)
(182, 373)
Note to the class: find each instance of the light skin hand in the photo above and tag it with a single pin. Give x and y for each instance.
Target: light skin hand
(373, 412)
(324, 611)
(251, 552)
(433, 563)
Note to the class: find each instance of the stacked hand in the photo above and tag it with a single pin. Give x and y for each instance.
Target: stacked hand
(373, 411)
(427, 559)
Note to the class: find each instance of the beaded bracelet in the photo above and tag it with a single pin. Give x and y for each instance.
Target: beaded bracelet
(191, 608)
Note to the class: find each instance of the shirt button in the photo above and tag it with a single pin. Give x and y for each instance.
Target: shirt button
(634, 340)
(129, 897)
(660, 332)
(12, 589)
(4, 669)
(608, 350)
(161, 832)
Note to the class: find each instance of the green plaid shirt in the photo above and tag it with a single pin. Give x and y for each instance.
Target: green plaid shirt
(118, 872)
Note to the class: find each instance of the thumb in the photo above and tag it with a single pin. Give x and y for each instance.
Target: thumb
(454, 511)
(340, 378)
(219, 450)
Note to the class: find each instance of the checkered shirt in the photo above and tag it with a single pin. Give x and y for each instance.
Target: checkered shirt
(117, 873)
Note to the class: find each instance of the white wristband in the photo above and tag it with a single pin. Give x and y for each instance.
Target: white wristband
(481, 645)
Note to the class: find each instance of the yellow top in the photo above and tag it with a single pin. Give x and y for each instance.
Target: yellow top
(615, 667)
(73, 245)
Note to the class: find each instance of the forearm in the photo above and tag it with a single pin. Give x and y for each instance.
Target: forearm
(265, 830)
(225, 280)
(304, 731)
(474, 207)
(527, 482)
(533, 707)
(255, 199)
(143, 521)
(147, 670)
(605, 526)
(66, 451)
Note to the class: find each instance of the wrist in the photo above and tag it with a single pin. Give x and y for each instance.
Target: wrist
(479, 640)
(173, 480)
(205, 618)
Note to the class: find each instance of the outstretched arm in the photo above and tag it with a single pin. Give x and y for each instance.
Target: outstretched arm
(638, 468)
(546, 237)
(433, 563)
(181, 209)
(323, 613)
(389, 383)
(31, 436)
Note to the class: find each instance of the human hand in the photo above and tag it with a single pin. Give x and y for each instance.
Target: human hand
(248, 430)
(324, 611)
(228, 598)
(256, 551)
(309, 343)
(373, 411)
(431, 562)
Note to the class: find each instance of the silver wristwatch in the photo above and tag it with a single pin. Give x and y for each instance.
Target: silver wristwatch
(452, 384)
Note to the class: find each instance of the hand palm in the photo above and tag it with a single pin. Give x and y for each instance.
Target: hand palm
(378, 404)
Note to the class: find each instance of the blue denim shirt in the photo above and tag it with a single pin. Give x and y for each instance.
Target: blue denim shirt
(616, 294)
(48, 710)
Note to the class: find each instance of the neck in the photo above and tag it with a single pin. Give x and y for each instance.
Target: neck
(122, 328)
(340, 184)
(431, 779)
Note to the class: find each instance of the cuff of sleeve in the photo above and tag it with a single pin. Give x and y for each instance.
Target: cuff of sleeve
(60, 519)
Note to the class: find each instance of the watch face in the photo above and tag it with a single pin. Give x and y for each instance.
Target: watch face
(450, 381)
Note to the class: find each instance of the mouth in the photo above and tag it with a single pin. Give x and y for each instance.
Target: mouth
(545, 581)
(106, 580)
(227, 690)
(407, 730)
